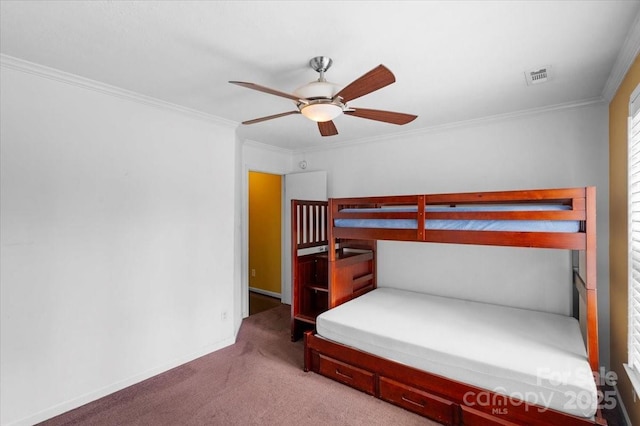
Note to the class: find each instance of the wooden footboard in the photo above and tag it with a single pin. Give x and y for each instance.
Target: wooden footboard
(446, 401)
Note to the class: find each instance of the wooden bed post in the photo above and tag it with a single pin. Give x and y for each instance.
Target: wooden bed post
(294, 268)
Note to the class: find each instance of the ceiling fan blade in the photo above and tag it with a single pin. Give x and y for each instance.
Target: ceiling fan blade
(375, 79)
(386, 116)
(327, 128)
(270, 117)
(266, 90)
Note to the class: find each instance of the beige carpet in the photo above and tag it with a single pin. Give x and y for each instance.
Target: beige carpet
(257, 381)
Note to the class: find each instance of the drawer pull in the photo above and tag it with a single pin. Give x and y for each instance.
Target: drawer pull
(346, 376)
(420, 404)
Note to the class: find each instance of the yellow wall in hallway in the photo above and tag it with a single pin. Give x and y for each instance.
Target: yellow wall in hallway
(618, 113)
(265, 205)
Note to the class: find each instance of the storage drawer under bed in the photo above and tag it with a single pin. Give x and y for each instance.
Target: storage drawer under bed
(418, 401)
(344, 373)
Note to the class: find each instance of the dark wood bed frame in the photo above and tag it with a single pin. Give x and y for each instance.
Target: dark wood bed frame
(444, 400)
(323, 279)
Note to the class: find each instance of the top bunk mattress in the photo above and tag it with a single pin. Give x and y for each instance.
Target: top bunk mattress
(464, 225)
(528, 355)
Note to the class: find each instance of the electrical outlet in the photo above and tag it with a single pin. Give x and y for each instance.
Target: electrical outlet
(253, 272)
(224, 315)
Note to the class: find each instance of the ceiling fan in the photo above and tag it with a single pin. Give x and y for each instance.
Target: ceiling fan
(321, 101)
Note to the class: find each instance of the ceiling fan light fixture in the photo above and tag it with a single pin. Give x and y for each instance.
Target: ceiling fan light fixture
(321, 112)
(317, 90)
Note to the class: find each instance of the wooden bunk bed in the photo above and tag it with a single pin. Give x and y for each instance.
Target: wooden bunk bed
(317, 286)
(347, 271)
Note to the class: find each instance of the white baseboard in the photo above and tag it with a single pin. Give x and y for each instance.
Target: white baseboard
(266, 292)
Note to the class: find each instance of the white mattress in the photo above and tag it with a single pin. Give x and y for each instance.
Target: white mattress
(533, 356)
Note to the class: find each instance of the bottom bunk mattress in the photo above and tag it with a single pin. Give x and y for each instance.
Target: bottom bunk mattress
(527, 355)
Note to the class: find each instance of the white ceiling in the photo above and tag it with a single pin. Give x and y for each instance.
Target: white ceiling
(453, 61)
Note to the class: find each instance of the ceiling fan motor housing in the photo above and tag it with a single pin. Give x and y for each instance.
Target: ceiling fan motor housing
(317, 90)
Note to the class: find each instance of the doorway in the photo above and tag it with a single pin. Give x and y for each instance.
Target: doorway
(265, 241)
(304, 186)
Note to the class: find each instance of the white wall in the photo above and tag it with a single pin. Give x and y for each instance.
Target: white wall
(265, 158)
(117, 242)
(239, 296)
(565, 147)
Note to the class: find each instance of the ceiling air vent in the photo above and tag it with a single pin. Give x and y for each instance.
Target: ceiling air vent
(538, 76)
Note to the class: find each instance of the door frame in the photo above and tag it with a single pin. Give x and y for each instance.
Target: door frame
(244, 263)
(285, 248)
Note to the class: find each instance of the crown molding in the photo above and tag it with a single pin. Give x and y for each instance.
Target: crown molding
(17, 64)
(628, 53)
(455, 125)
